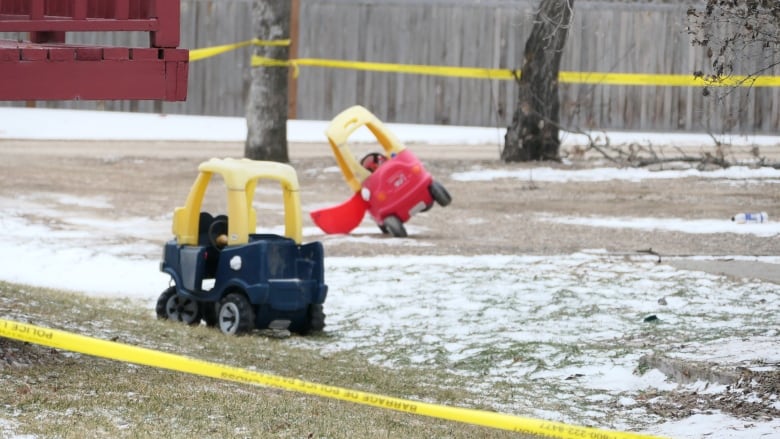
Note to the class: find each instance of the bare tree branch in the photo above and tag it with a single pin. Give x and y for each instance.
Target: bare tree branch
(734, 33)
(634, 155)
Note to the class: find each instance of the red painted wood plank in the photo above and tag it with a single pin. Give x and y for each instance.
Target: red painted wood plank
(36, 9)
(48, 69)
(145, 54)
(98, 9)
(176, 75)
(168, 14)
(89, 54)
(14, 7)
(108, 79)
(58, 8)
(144, 8)
(49, 19)
(90, 25)
(33, 54)
(116, 53)
(8, 54)
(79, 9)
(122, 11)
(176, 54)
(62, 54)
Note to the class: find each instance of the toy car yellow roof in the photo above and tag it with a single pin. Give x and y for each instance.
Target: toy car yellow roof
(238, 172)
(240, 176)
(342, 126)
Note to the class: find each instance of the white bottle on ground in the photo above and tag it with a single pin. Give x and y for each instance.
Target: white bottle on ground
(750, 217)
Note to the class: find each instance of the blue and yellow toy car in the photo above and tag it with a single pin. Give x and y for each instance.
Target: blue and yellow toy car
(229, 276)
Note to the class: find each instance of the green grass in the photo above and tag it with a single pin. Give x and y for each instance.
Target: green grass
(51, 393)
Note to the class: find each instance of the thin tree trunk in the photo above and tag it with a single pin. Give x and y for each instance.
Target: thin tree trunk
(533, 134)
(266, 113)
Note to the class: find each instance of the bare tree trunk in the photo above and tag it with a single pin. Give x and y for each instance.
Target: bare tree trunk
(266, 114)
(533, 134)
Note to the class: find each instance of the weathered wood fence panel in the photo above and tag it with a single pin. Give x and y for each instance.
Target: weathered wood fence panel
(605, 37)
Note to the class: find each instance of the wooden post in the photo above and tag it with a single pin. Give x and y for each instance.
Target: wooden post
(292, 82)
(168, 17)
(36, 10)
(79, 10)
(122, 9)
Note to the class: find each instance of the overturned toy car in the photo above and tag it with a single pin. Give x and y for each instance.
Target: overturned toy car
(229, 276)
(391, 186)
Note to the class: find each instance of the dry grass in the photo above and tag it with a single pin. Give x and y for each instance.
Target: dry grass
(50, 393)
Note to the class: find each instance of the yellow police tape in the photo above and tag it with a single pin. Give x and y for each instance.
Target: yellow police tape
(208, 52)
(674, 80)
(649, 79)
(148, 357)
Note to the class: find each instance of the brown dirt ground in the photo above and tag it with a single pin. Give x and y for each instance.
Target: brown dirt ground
(491, 217)
(150, 178)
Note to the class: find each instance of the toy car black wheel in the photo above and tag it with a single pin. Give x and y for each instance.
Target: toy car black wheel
(395, 226)
(439, 193)
(316, 318)
(162, 302)
(383, 229)
(209, 311)
(171, 306)
(236, 315)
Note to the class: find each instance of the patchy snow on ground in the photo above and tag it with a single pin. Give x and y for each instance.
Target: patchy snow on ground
(561, 331)
(565, 333)
(24, 123)
(608, 174)
(705, 226)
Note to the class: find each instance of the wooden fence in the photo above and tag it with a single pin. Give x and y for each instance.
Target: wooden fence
(605, 37)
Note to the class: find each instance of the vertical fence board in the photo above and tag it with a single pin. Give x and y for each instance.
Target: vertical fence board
(604, 37)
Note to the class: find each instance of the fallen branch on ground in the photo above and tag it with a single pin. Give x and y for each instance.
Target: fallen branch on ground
(636, 155)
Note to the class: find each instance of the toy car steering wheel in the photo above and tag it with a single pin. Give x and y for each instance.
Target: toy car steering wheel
(218, 232)
(371, 161)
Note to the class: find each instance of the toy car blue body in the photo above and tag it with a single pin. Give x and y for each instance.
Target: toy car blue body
(231, 277)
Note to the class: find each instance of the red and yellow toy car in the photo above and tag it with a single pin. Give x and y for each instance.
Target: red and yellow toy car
(392, 186)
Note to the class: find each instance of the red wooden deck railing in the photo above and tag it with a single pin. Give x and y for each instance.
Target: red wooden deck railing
(47, 68)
